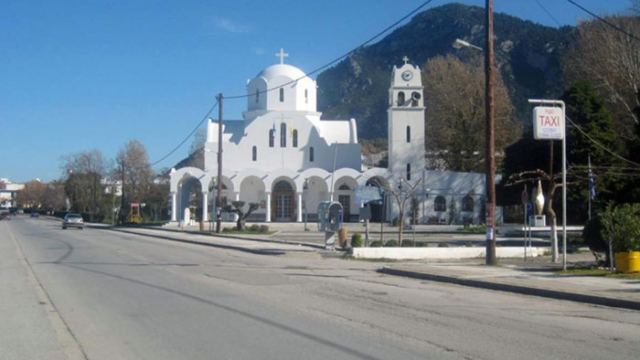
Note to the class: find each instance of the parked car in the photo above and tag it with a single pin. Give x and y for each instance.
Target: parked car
(35, 214)
(73, 220)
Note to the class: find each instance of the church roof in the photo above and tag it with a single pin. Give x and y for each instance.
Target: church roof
(281, 70)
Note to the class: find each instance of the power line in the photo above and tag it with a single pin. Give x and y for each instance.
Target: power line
(612, 25)
(548, 13)
(188, 136)
(599, 144)
(341, 57)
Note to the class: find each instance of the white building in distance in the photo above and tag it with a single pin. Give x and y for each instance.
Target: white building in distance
(283, 156)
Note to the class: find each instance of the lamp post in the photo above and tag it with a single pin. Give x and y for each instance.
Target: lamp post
(305, 187)
(490, 161)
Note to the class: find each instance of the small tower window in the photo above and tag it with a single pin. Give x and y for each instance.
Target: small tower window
(408, 134)
(306, 96)
(440, 204)
(257, 96)
(311, 154)
(294, 140)
(408, 172)
(281, 95)
(254, 153)
(283, 135)
(400, 98)
(272, 135)
(415, 97)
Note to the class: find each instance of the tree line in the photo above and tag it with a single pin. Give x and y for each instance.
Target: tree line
(102, 189)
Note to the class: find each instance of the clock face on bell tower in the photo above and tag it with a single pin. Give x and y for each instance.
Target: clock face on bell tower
(407, 75)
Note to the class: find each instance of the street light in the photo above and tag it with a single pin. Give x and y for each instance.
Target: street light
(459, 44)
(490, 161)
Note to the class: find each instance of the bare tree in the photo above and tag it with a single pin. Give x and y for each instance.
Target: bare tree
(134, 170)
(610, 59)
(455, 113)
(32, 196)
(402, 194)
(238, 208)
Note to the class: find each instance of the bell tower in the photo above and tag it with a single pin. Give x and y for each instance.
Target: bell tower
(406, 123)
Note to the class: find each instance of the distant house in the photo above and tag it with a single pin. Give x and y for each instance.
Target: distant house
(8, 193)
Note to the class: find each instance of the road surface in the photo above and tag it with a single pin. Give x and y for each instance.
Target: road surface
(99, 294)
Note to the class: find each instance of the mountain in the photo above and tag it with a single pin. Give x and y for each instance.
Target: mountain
(527, 55)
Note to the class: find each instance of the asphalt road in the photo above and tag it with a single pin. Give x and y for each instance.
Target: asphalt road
(121, 296)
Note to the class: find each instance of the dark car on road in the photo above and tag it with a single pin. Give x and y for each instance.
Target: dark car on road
(73, 220)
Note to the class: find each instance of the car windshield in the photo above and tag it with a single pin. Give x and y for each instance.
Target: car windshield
(73, 216)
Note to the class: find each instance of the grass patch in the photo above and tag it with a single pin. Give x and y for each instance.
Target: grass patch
(597, 272)
(473, 229)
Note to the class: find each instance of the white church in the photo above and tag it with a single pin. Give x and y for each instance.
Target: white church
(284, 157)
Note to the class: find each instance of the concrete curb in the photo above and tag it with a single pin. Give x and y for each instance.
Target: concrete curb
(195, 242)
(276, 241)
(524, 290)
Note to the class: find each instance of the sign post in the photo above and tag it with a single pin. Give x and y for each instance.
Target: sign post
(549, 124)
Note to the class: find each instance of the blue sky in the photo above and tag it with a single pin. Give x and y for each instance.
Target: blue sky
(89, 74)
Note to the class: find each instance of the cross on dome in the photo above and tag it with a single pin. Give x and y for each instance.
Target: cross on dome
(282, 55)
(405, 59)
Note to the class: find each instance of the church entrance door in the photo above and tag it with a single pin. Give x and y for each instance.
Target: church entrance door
(283, 205)
(345, 201)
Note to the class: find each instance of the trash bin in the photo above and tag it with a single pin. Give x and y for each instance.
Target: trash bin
(342, 237)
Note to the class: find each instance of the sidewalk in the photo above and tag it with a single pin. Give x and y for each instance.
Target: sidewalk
(535, 279)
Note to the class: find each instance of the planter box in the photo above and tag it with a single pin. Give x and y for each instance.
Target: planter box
(406, 253)
(627, 262)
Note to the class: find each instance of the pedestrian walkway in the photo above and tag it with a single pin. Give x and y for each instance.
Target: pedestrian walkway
(537, 279)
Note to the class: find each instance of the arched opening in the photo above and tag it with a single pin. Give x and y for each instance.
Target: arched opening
(415, 98)
(252, 190)
(401, 99)
(254, 153)
(378, 207)
(408, 134)
(257, 96)
(294, 139)
(283, 203)
(408, 172)
(344, 194)
(281, 95)
(314, 192)
(272, 135)
(189, 200)
(311, 155)
(440, 204)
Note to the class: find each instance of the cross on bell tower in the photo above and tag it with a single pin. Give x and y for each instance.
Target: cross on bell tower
(281, 54)
(405, 59)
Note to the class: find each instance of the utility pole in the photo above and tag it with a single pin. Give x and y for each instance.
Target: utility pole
(490, 162)
(219, 192)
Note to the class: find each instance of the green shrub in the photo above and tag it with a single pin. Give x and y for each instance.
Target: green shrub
(356, 240)
(254, 228)
(409, 243)
(621, 226)
(391, 243)
(376, 243)
(443, 245)
(264, 229)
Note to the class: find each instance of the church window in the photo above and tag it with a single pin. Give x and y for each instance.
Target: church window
(257, 96)
(467, 203)
(254, 153)
(272, 135)
(294, 135)
(440, 203)
(283, 135)
(281, 95)
(306, 96)
(408, 171)
(408, 133)
(311, 154)
(400, 98)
